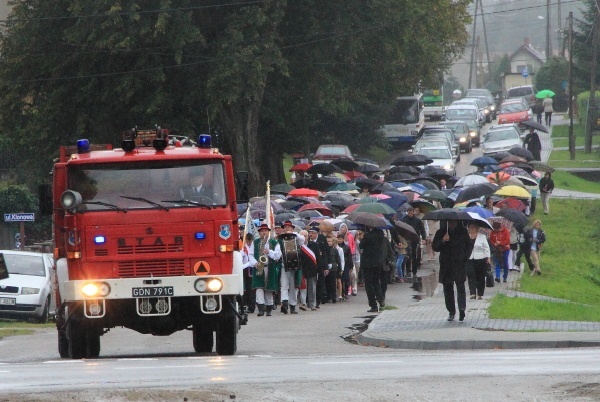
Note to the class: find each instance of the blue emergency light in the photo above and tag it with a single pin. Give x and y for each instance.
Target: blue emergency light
(199, 235)
(83, 146)
(99, 239)
(204, 141)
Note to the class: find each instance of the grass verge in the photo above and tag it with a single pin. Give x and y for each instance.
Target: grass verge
(569, 264)
(569, 181)
(388, 307)
(562, 159)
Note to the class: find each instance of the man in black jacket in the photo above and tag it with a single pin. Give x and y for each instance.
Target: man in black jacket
(318, 242)
(371, 263)
(414, 261)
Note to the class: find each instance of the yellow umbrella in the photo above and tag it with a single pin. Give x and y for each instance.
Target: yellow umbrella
(513, 191)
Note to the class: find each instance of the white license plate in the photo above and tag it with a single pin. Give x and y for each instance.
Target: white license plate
(7, 301)
(158, 291)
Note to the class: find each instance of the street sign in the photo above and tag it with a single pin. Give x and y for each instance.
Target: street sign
(525, 72)
(19, 217)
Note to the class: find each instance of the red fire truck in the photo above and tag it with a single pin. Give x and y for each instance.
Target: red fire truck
(139, 244)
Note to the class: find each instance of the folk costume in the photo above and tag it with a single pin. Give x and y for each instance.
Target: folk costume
(291, 274)
(267, 282)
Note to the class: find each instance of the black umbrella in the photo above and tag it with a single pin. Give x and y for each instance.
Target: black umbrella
(412, 160)
(498, 156)
(368, 168)
(535, 125)
(282, 188)
(483, 161)
(449, 214)
(428, 182)
(301, 183)
(406, 231)
(310, 213)
(434, 195)
(369, 183)
(291, 204)
(382, 187)
(517, 217)
(367, 219)
(345, 164)
(476, 191)
(522, 152)
(279, 218)
(323, 183)
(541, 166)
(403, 169)
(434, 172)
(405, 177)
(337, 197)
(324, 169)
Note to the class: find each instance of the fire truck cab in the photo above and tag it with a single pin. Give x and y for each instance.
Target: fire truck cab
(146, 238)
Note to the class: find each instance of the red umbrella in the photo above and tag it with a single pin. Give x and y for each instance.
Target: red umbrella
(511, 203)
(300, 167)
(303, 192)
(353, 174)
(351, 208)
(316, 207)
(498, 177)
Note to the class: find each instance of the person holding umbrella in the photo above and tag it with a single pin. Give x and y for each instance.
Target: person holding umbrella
(547, 103)
(454, 245)
(534, 145)
(500, 241)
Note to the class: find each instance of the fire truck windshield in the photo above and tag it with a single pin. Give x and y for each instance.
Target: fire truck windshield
(148, 185)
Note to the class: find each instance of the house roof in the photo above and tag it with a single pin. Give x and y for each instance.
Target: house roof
(527, 48)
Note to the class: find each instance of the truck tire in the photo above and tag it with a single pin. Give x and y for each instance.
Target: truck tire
(63, 344)
(76, 338)
(227, 335)
(203, 339)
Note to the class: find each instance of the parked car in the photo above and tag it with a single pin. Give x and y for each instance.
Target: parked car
(27, 292)
(487, 96)
(526, 92)
(463, 112)
(442, 158)
(461, 133)
(480, 104)
(439, 130)
(431, 142)
(514, 111)
(329, 152)
(502, 138)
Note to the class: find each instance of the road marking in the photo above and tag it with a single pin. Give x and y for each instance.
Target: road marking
(360, 362)
(63, 361)
(134, 359)
(159, 367)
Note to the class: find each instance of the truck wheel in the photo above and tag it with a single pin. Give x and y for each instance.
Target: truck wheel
(203, 339)
(76, 339)
(227, 335)
(44, 317)
(63, 344)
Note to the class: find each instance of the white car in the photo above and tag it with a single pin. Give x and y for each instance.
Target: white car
(502, 138)
(442, 158)
(27, 292)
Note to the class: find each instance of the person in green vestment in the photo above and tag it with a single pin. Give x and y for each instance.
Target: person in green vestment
(265, 278)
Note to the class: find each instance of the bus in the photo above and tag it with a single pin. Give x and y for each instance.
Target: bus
(405, 121)
(434, 103)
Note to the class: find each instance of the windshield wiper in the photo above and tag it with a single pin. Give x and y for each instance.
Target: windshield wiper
(156, 204)
(188, 202)
(105, 204)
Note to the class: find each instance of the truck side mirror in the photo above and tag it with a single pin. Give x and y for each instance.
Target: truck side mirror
(45, 199)
(241, 181)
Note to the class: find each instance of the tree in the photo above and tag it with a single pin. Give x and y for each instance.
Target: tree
(552, 75)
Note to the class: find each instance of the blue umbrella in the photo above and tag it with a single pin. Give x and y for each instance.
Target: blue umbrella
(483, 161)
(395, 200)
(484, 213)
(418, 188)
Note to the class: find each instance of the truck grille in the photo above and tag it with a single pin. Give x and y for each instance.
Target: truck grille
(133, 269)
(150, 249)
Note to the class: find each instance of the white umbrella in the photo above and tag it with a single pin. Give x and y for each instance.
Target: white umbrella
(470, 180)
(482, 222)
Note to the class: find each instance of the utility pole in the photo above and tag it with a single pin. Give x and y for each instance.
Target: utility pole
(591, 111)
(548, 47)
(571, 136)
(473, 45)
(487, 49)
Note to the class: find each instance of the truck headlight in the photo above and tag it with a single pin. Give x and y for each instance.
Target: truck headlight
(94, 289)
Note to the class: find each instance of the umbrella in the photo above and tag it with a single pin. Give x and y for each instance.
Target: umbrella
(424, 206)
(368, 200)
(383, 187)
(511, 203)
(353, 174)
(323, 183)
(418, 188)
(518, 218)
(434, 195)
(303, 199)
(412, 160)
(351, 208)
(279, 218)
(400, 177)
(481, 222)
(345, 164)
(483, 161)
(282, 188)
(470, 180)
(406, 231)
(258, 213)
(301, 183)
(303, 192)
(395, 199)
(403, 169)
(502, 220)
(475, 191)
(498, 177)
(375, 208)
(483, 212)
(513, 181)
(261, 203)
(300, 167)
(499, 155)
(535, 125)
(324, 168)
(513, 158)
(337, 197)
(513, 191)
(367, 219)
(434, 173)
(522, 152)
(447, 214)
(343, 187)
(515, 171)
(366, 169)
(527, 180)
(310, 214)
(323, 209)
(299, 224)
(541, 166)
(544, 93)
(369, 183)
(291, 204)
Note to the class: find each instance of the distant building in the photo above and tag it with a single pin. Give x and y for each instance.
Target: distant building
(525, 59)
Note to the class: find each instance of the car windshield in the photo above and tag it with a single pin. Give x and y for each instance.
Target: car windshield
(24, 264)
(461, 114)
(148, 184)
(516, 92)
(332, 150)
(435, 153)
(406, 111)
(421, 144)
(501, 135)
(512, 108)
(458, 128)
(477, 92)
